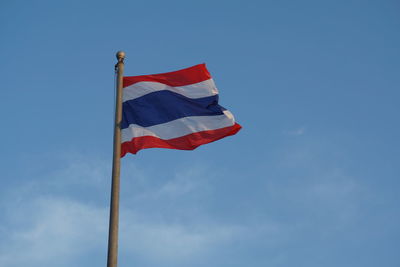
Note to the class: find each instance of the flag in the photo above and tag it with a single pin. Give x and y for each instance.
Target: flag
(176, 110)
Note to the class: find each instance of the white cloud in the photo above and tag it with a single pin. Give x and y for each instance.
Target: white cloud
(166, 221)
(185, 182)
(313, 186)
(162, 234)
(52, 231)
(298, 131)
(174, 242)
(50, 227)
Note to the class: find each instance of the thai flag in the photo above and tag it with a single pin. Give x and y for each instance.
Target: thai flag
(177, 110)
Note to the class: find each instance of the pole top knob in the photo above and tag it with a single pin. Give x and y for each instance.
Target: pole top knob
(120, 55)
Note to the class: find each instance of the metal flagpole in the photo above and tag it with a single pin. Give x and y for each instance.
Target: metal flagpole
(114, 205)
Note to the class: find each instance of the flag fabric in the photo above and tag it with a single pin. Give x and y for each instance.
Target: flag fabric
(176, 110)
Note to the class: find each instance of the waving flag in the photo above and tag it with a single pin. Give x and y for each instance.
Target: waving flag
(177, 110)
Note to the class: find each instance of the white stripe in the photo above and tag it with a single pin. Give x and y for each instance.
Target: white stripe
(179, 127)
(196, 90)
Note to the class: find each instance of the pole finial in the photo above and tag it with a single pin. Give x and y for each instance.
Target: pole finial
(120, 55)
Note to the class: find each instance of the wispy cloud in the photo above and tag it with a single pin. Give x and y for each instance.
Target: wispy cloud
(62, 218)
(297, 131)
(313, 184)
(51, 231)
(174, 242)
(52, 225)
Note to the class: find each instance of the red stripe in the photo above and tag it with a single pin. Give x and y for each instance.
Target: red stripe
(187, 142)
(183, 77)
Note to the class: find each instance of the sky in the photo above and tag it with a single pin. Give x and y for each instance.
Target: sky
(311, 180)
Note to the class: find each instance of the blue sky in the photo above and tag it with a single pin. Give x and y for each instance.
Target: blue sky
(311, 180)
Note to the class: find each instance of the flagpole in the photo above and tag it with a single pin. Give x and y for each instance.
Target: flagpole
(112, 256)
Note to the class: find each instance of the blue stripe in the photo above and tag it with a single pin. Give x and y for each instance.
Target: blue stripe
(164, 106)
